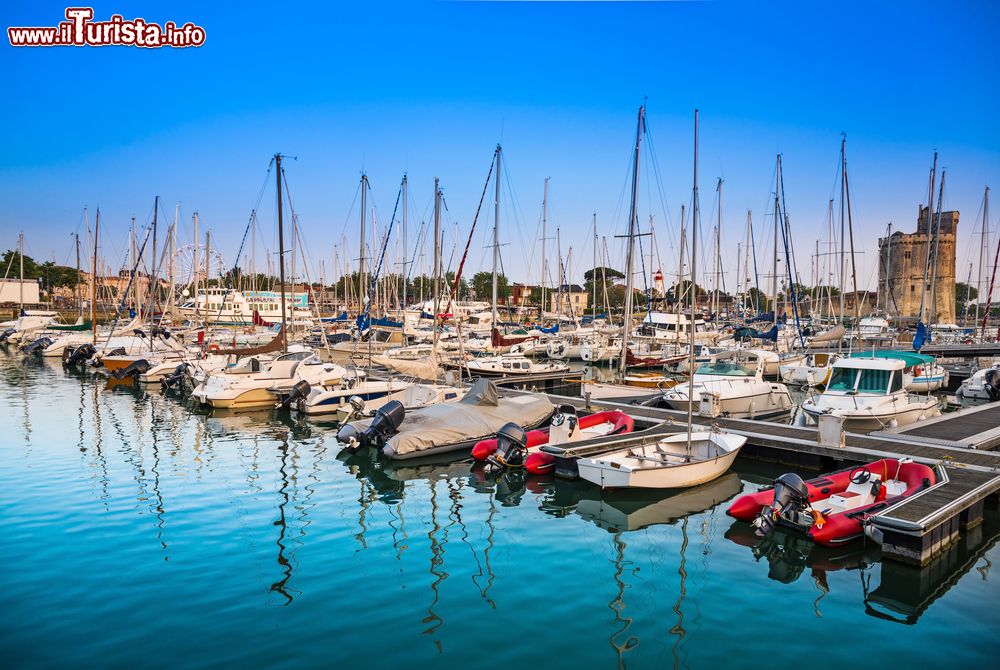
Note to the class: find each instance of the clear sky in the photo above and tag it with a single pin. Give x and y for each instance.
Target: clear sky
(429, 88)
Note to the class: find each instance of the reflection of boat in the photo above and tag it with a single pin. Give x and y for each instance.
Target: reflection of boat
(788, 553)
(633, 510)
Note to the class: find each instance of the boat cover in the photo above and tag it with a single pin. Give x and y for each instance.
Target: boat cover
(456, 425)
(424, 368)
(835, 334)
(909, 358)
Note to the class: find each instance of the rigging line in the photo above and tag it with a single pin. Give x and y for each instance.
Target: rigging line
(654, 161)
(461, 264)
(373, 282)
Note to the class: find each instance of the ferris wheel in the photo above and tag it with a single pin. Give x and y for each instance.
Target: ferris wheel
(184, 266)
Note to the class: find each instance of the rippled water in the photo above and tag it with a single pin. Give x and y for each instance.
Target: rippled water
(138, 533)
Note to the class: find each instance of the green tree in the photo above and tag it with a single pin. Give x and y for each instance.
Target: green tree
(482, 286)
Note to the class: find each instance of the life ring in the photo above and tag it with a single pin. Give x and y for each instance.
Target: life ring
(214, 347)
(917, 371)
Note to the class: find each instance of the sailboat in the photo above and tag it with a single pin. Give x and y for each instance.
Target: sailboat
(688, 458)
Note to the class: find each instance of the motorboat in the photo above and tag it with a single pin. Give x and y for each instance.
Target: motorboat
(445, 427)
(831, 509)
(677, 461)
(735, 386)
(600, 348)
(868, 392)
(813, 371)
(511, 364)
(262, 389)
(983, 385)
(565, 427)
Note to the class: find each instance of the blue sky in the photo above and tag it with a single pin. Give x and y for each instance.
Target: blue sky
(429, 88)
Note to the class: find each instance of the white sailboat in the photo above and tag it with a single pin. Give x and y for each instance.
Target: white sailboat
(688, 458)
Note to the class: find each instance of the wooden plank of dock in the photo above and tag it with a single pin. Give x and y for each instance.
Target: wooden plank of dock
(972, 427)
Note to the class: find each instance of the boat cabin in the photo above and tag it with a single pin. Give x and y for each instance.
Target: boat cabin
(866, 376)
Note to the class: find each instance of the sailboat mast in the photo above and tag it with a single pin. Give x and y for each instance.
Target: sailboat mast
(496, 236)
(774, 268)
(927, 235)
(79, 296)
(633, 231)
(194, 268)
(404, 249)
(694, 292)
(545, 199)
(593, 275)
(20, 253)
(93, 280)
(718, 253)
(678, 292)
(934, 312)
(281, 254)
(437, 260)
(982, 253)
(362, 291)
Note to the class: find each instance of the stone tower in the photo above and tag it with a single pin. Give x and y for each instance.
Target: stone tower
(903, 258)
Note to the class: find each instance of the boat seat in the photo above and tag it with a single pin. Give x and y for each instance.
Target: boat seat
(855, 496)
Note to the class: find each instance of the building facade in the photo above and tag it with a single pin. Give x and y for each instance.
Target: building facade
(568, 297)
(904, 261)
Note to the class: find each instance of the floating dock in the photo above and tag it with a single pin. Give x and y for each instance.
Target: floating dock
(913, 531)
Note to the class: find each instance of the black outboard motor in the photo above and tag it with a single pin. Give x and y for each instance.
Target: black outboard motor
(36, 346)
(133, 369)
(82, 353)
(7, 333)
(300, 390)
(175, 378)
(791, 495)
(386, 423)
(991, 384)
(512, 449)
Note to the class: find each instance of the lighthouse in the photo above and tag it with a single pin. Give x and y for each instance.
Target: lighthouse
(658, 282)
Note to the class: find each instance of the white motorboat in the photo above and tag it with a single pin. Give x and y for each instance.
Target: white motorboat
(982, 386)
(511, 364)
(868, 393)
(223, 306)
(681, 460)
(736, 386)
(600, 348)
(260, 390)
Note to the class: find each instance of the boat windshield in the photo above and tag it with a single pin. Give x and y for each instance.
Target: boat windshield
(728, 368)
(860, 381)
(842, 379)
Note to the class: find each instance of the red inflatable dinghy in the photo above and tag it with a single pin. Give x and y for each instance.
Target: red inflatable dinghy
(590, 426)
(833, 507)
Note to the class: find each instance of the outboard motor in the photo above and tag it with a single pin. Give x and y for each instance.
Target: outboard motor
(36, 346)
(133, 369)
(991, 384)
(7, 333)
(386, 423)
(81, 354)
(175, 378)
(357, 405)
(141, 334)
(791, 495)
(512, 449)
(299, 391)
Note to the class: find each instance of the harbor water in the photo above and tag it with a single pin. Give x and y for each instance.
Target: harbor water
(137, 531)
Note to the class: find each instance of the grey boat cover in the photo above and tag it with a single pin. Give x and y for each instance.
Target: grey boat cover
(456, 425)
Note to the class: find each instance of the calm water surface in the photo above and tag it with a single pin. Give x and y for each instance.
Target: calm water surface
(138, 533)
